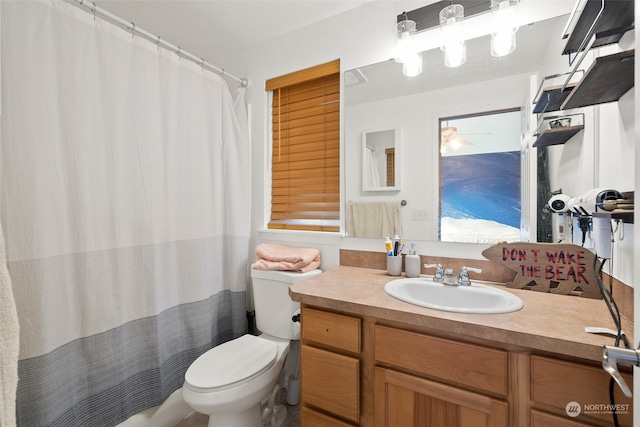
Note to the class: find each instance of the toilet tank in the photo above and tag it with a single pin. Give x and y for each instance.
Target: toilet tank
(274, 308)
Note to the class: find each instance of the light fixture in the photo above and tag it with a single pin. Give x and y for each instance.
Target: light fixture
(406, 50)
(504, 14)
(451, 20)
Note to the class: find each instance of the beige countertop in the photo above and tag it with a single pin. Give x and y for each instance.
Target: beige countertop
(547, 323)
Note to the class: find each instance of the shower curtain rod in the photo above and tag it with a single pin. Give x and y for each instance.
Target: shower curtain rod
(131, 27)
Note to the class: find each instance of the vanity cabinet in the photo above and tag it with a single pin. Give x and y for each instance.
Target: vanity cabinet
(330, 368)
(365, 371)
(555, 384)
(426, 381)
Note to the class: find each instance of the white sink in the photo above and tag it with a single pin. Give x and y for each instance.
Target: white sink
(461, 299)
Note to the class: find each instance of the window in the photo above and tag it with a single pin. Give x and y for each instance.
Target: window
(305, 186)
(480, 177)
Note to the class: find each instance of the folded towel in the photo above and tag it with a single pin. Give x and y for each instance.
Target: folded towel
(285, 258)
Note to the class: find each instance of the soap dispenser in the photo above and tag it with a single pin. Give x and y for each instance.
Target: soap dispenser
(412, 262)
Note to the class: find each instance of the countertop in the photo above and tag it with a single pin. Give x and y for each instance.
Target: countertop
(547, 323)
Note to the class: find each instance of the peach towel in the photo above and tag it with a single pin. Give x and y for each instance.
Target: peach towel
(285, 258)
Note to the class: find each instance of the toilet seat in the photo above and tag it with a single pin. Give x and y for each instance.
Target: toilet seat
(231, 364)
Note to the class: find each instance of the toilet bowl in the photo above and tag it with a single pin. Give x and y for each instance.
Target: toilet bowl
(229, 382)
(232, 383)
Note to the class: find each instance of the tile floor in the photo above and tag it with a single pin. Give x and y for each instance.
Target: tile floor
(199, 420)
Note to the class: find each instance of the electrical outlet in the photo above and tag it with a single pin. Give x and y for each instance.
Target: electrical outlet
(420, 215)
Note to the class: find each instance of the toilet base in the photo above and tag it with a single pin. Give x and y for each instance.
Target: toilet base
(279, 417)
(249, 418)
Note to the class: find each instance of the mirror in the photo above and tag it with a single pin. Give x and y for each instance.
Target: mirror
(381, 160)
(379, 96)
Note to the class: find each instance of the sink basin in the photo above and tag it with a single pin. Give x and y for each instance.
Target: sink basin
(460, 299)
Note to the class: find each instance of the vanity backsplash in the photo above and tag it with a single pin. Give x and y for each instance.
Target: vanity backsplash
(491, 272)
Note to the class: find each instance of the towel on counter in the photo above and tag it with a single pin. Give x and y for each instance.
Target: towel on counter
(9, 344)
(285, 258)
(374, 219)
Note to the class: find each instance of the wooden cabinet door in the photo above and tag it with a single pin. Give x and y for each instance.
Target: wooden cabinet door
(331, 382)
(408, 401)
(556, 383)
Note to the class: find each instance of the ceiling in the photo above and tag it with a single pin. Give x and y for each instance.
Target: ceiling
(217, 29)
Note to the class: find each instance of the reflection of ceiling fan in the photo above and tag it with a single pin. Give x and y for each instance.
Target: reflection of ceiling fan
(450, 138)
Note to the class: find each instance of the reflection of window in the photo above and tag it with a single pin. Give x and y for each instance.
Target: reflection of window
(391, 166)
(480, 196)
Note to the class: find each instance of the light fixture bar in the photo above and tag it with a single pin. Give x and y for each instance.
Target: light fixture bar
(426, 17)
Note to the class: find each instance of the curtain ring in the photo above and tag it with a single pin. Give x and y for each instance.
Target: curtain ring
(202, 63)
(179, 52)
(132, 29)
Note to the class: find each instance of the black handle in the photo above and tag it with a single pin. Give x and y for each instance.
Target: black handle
(296, 318)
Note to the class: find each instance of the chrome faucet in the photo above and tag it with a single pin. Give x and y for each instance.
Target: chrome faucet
(464, 275)
(439, 276)
(450, 277)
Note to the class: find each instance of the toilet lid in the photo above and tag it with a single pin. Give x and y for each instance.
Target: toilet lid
(231, 362)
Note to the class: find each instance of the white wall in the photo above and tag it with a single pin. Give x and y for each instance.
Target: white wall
(364, 36)
(359, 37)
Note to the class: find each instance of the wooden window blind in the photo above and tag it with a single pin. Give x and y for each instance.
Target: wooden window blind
(305, 158)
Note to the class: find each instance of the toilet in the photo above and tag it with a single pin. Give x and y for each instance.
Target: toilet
(236, 383)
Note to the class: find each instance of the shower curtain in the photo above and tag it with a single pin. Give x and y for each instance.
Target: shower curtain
(124, 190)
(371, 168)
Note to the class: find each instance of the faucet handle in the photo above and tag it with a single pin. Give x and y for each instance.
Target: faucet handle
(439, 275)
(464, 275)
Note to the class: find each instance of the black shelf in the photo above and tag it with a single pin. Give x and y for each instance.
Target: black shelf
(617, 18)
(608, 78)
(552, 98)
(557, 136)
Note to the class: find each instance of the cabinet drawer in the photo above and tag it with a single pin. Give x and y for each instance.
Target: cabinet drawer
(540, 419)
(331, 382)
(467, 364)
(334, 330)
(311, 418)
(556, 383)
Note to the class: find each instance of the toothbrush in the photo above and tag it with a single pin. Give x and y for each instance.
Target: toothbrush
(389, 246)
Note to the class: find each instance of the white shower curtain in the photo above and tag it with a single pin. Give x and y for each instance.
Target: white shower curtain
(124, 175)
(371, 169)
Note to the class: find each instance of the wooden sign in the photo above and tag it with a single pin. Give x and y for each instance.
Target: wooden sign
(558, 268)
